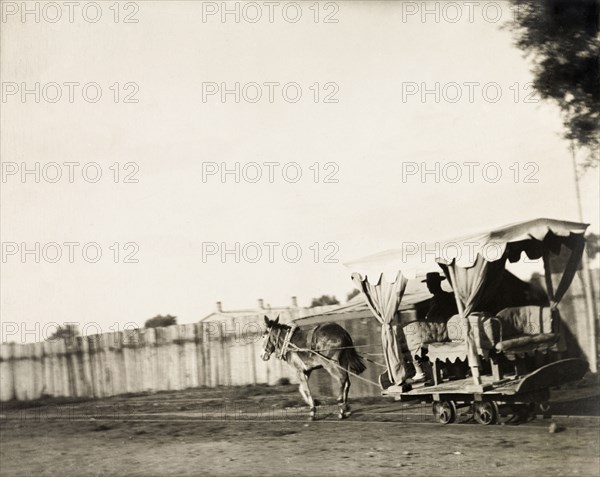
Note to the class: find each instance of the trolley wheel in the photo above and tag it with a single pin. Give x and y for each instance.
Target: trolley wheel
(485, 412)
(444, 411)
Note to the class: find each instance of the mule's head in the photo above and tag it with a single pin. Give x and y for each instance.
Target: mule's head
(269, 338)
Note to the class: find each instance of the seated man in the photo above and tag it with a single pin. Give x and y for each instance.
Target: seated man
(443, 303)
(441, 309)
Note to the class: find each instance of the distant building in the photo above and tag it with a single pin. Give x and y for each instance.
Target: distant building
(242, 320)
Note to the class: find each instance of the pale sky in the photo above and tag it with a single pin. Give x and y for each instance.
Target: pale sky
(371, 134)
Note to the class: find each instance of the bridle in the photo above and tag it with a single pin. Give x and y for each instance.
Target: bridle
(267, 354)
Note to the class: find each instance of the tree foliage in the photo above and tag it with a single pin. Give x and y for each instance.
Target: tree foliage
(352, 294)
(67, 332)
(560, 36)
(592, 244)
(324, 300)
(160, 321)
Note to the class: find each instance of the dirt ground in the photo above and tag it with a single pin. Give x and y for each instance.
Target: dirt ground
(264, 430)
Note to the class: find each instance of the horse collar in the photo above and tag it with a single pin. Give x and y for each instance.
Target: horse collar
(311, 337)
(286, 342)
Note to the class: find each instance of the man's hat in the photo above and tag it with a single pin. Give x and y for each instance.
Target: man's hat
(433, 277)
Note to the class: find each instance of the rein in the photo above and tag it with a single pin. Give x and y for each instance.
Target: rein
(286, 342)
(297, 348)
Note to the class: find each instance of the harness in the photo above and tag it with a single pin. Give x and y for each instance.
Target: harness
(311, 337)
(286, 341)
(280, 354)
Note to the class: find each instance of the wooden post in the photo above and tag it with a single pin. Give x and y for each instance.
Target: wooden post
(586, 277)
(215, 356)
(174, 354)
(150, 360)
(47, 369)
(35, 370)
(18, 373)
(105, 362)
(7, 367)
(189, 364)
(71, 366)
(86, 368)
(38, 352)
(209, 355)
(252, 348)
(59, 367)
(225, 357)
(95, 365)
(200, 352)
(162, 364)
(128, 360)
(119, 369)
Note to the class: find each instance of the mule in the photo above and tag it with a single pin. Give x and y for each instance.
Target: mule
(327, 346)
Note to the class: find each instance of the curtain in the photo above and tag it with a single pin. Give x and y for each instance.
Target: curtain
(576, 247)
(383, 299)
(569, 269)
(473, 286)
(477, 284)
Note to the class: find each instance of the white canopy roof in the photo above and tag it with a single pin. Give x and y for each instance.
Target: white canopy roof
(418, 258)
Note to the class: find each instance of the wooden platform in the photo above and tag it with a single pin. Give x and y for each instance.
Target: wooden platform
(459, 386)
(540, 380)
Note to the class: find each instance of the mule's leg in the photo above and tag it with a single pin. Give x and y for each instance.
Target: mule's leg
(343, 399)
(346, 407)
(343, 379)
(305, 392)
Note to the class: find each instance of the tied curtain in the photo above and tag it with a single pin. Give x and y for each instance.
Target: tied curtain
(383, 299)
(571, 252)
(575, 246)
(473, 286)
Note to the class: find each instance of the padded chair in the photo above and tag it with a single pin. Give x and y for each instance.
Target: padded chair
(514, 332)
(526, 330)
(486, 332)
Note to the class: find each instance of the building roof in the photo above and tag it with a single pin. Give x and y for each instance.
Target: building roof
(416, 295)
(255, 315)
(246, 312)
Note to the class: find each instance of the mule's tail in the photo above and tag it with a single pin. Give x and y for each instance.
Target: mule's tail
(350, 359)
